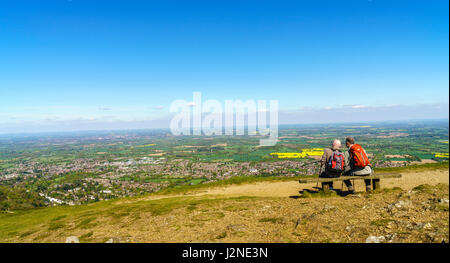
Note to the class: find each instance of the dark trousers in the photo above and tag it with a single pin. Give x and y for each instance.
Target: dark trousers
(329, 175)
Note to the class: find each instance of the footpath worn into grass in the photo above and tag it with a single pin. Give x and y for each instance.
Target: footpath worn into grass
(413, 208)
(289, 187)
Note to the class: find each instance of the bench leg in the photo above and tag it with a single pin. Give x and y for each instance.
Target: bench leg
(326, 186)
(375, 184)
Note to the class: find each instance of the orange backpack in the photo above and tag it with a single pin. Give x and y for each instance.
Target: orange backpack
(359, 156)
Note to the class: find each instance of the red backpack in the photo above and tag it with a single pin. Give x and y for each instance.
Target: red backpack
(359, 156)
(336, 162)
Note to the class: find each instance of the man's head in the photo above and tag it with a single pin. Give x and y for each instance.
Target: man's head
(336, 144)
(349, 141)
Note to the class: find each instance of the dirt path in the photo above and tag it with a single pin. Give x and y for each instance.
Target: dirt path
(408, 181)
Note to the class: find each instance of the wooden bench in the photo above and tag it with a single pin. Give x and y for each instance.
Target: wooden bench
(375, 179)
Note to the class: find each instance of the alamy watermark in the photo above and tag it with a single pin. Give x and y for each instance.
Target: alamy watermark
(234, 117)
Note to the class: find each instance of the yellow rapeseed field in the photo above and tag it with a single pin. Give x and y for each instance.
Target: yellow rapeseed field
(441, 155)
(305, 153)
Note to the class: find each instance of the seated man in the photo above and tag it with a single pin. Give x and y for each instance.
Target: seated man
(333, 160)
(356, 163)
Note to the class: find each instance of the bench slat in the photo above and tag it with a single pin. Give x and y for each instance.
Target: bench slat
(377, 176)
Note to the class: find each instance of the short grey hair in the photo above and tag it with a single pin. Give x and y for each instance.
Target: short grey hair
(336, 144)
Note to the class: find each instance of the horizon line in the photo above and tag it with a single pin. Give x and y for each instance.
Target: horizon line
(167, 128)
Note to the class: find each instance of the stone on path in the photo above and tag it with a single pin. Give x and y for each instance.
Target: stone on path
(72, 239)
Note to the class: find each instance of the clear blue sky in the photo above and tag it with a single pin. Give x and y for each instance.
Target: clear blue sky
(125, 59)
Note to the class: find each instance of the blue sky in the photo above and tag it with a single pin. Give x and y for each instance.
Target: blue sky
(68, 61)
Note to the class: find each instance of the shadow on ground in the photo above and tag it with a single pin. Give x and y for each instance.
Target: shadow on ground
(318, 190)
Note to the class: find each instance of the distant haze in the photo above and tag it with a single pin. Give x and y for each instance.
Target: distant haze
(345, 114)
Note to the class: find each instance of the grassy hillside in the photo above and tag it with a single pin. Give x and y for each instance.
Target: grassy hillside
(16, 198)
(398, 215)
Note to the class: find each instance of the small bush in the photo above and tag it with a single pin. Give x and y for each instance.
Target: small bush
(222, 235)
(424, 188)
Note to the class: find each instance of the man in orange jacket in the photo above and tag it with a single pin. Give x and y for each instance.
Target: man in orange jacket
(354, 166)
